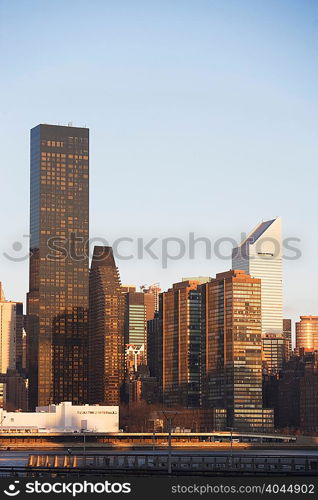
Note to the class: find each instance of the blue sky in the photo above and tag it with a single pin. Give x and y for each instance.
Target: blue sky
(202, 115)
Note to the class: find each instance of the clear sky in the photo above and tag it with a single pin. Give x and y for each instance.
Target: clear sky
(202, 115)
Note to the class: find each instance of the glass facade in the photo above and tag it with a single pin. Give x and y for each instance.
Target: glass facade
(180, 345)
(275, 353)
(287, 332)
(57, 303)
(307, 333)
(232, 349)
(139, 308)
(106, 331)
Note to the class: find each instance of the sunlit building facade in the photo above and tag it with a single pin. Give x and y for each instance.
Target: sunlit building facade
(307, 333)
(179, 345)
(106, 329)
(275, 353)
(287, 332)
(231, 353)
(154, 290)
(13, 386)
(260, 256)
(135, 319)
(8, 332)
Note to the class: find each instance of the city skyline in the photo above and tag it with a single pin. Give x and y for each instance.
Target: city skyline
(158, 267)
(176, 116)
(244, 236)
(105, 360)
(218, 343)
(276, 233)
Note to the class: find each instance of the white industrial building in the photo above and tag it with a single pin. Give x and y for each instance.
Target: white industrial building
(63, 417)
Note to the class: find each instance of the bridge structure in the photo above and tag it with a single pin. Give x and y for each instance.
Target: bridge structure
(16, 436)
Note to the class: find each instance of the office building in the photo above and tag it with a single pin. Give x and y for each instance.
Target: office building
(296, 393)
(275, 353)
(152, 345)
(57, 302)
(179, 345)
(307, 333)
(139, 308)
(231, 349)
(287, 332)
(106, 329)
(260, 256)
(14, 385)
(14, 391)
(270, 393)
(309, 395)
(289, 391)
(150, 390)
(155, 290)
(20, 337)
(143, 388)
(9, 323)
(150, 306)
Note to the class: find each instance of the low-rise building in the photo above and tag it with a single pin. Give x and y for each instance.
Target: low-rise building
(63, 417)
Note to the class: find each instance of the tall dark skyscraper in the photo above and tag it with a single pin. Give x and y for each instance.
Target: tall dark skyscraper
(57, 304)
(106, 320)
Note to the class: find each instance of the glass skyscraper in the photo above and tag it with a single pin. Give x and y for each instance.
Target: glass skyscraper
(106, 320)
(57, 303)
(179, 345)
(231, 349)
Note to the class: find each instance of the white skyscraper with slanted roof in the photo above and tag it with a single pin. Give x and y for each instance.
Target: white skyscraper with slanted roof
(260, 255)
